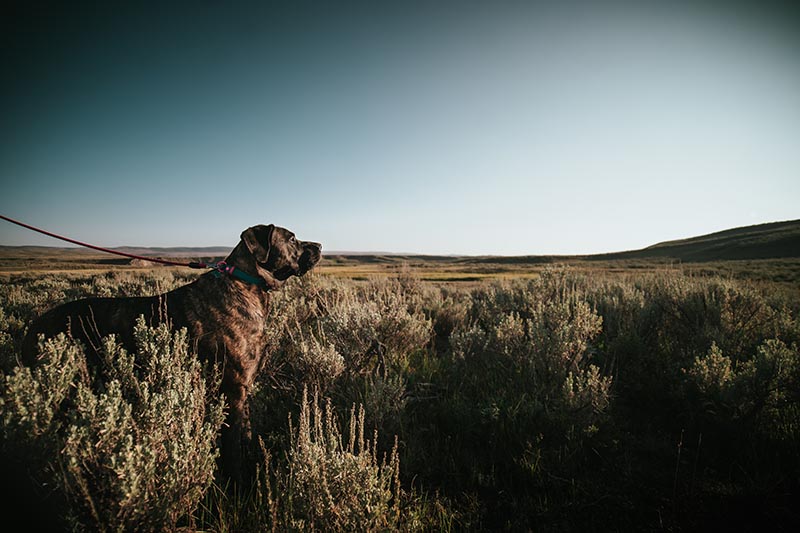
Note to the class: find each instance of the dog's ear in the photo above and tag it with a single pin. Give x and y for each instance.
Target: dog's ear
(258, 240)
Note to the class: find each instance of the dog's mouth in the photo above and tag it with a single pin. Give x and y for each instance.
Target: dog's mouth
(305, 264)
(308, 261)
(282, 274)
(311, 256)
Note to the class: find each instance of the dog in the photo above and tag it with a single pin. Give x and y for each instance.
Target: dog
(223, 311)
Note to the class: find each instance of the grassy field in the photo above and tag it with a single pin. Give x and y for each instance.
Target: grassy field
(765, 252)
(425, 394)
(36, 261)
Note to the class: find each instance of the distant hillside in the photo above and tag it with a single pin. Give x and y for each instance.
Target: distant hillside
(40, 258)
(776, 240)
(181, 251)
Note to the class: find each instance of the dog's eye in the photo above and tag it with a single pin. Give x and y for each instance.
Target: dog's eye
(292, 240)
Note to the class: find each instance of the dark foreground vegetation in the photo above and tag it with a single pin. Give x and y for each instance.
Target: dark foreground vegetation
(570, 401)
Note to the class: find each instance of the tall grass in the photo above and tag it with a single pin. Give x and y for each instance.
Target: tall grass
(568, 401)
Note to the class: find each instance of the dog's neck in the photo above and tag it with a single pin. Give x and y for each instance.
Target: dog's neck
(241, 259)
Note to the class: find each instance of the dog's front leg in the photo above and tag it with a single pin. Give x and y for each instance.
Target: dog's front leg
(234, 432)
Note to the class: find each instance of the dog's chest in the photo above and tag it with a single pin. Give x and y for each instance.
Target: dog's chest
(234, 325)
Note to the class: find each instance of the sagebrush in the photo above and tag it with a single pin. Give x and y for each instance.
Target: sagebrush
(568, 401)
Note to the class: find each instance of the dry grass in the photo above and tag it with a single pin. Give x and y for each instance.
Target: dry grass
(464, 271)
(554, 403)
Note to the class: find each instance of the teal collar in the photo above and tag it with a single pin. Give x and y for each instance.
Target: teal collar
(223, 267)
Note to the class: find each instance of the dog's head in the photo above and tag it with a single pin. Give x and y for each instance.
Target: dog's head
(278, 254)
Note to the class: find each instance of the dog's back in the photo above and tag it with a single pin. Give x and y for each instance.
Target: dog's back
(89, 320)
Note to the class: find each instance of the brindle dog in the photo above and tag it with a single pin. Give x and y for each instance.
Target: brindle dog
(224, 317)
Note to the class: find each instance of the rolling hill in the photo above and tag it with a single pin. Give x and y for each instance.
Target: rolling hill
(776, 240)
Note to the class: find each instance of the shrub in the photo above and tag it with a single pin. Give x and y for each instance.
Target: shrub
(373, 328)
(319, 362)
(347, 341)
(520, 397)
(532, 341)
(749, 390)
(136, 437)
(33, 400)
(712, 375)
(330, 484)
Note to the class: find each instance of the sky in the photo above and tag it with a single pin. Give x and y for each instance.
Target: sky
(475, 128)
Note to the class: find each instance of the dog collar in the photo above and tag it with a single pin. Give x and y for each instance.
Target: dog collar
(223, 268)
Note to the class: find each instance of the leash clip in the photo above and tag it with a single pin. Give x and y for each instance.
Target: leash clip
(221, 268)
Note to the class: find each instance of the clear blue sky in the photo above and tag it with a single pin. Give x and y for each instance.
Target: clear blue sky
(430, 127)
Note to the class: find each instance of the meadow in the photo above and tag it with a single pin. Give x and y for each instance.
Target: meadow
(427, 394)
